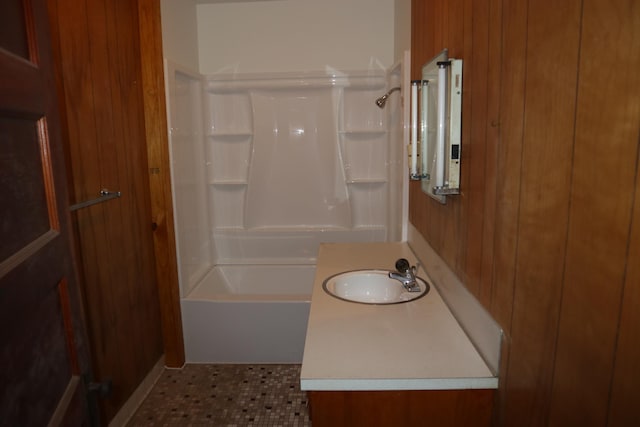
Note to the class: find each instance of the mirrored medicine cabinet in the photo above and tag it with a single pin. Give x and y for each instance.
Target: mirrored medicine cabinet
(436, 106)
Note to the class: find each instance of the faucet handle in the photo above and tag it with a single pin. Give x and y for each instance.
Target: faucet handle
(402, 265)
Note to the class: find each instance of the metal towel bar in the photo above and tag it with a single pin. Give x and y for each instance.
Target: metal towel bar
(104, 196)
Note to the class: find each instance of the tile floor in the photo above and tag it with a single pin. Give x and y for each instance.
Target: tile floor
(225, 395)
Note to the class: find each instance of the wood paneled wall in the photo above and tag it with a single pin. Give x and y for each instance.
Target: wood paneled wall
(157, 142)
(99, 73)
(546, 231)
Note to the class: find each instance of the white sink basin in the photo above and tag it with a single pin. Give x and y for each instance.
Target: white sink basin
(371, 287)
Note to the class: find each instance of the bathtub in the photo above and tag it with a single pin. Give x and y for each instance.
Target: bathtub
(248, 314)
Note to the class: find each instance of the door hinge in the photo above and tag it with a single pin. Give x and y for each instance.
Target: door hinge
(95, 391)
(100, 389)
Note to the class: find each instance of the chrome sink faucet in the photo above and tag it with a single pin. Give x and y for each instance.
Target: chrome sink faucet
(406, 274)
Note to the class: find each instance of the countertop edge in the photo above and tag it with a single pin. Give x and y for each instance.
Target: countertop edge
(378, 384)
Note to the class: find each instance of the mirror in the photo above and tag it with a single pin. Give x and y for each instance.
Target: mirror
(439, 126)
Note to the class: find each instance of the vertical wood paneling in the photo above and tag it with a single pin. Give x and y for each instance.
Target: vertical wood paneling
(509, 166)
(466, 20)
(112, 166)
(160, 180)
(447, 225)
(99, 56)
(556, 261)
(421, 36)
(550, 86)
(136, 215)
(85, 161)
(79, 125)
(439, 22)
(603, 184)
(625, 393)
(453, 39)
(474, 156)
(491, 157)
(101, 226)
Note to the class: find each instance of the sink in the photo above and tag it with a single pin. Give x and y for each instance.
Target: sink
(371, 287)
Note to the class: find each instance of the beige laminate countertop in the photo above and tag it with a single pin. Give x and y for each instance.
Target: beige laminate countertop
(411, 346)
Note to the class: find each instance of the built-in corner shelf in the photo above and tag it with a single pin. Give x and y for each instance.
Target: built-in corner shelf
(231, 136)
(228, 182)
(363, 133)
(367, 181)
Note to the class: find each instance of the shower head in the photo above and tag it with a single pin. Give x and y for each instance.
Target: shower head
(383, 99)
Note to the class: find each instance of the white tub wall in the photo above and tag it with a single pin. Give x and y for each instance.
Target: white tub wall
(298, 159)
(404, 141)
(180, 50)
(401, 30)
(296, 175)
(186, 147)
(244, 332)
(248, 314)
(295, 36)
(180, 32)
(256, 283)
(283, 246)
(396, 151)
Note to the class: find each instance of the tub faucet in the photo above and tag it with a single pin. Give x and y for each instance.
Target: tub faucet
(406, 274)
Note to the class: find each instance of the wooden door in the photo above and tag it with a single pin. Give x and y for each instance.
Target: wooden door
(42, 351)
(98, 50)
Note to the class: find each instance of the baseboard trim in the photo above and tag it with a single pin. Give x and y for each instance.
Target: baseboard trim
(137, 397)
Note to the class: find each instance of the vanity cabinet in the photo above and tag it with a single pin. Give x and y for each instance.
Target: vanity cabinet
(397, 408)
(403, 364)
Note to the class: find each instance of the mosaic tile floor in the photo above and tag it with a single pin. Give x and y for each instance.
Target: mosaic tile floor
(225, 395)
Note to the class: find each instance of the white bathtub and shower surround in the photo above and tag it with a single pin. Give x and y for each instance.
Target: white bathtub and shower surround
(298, 155)
(282, 162)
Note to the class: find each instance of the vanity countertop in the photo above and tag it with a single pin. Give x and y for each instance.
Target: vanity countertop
(411, 346)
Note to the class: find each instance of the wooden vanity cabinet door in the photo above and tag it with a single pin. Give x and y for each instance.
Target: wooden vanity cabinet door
(441, 408)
